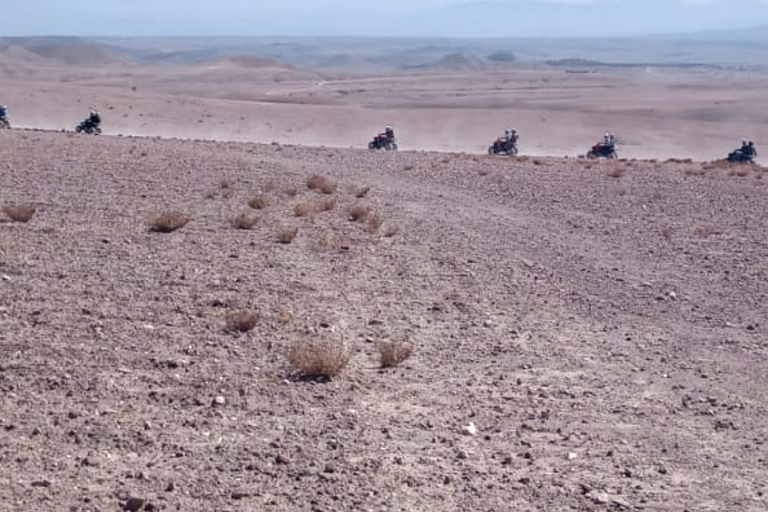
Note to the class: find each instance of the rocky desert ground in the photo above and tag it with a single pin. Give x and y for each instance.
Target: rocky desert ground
(583, 335)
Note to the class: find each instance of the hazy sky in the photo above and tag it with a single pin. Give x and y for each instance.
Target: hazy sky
(473, 18)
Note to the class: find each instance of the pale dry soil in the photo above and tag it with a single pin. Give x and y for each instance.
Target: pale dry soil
(602, 325)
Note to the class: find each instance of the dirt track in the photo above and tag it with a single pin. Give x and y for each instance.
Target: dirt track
(601, 324)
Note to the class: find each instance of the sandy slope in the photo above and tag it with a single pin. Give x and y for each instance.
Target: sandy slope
(656, 114)
(602, 325)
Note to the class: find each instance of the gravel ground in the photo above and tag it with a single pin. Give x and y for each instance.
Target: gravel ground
(586, 335)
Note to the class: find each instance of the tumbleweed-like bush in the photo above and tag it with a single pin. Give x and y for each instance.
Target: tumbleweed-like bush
(318, 360)
(245, 221)
(20, 212)
(168, 221)
(242, 321)
(392, 353)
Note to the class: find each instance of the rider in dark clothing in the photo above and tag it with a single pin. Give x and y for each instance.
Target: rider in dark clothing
(94, 119)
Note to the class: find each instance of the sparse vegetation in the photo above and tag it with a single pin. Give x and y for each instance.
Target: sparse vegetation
(392, 353)
(302, 209)
(168, 221)
(245, 221)
(374, 222)
(242, 321)
(615, 171)
(321, 184)
(318, 360)
(259, 202)
(287, 235)
(291, 190)
(667, 232)
(362, 192)
(20, 212)
(359, 213)
(226, 183)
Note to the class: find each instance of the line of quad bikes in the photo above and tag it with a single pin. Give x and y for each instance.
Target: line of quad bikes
(500, 146)
(86, 126)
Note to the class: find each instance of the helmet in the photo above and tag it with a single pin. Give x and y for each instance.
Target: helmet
(509, 131)
(751, 143)
(388, 127)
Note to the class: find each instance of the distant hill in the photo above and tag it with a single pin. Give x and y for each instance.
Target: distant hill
(71, 51)
(454, 62)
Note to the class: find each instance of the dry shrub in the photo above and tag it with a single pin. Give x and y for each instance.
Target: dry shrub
(226, 183)
(523, 158)
(327, 205)
(259, 202)
(318, 360)
(537, 162)
(245, 221)
(286, 318)
(705, 231)
(287, 235)
(391, 231)
(242, 321)
(392, 353)
(227, 193)
(20, 212)
(615, 172)
(328, 187)
(291, 190)
(408, 168)
(302, 209)
(374, 223)
(359, 213)
(362, 192)
(667, 232)
(168, 221)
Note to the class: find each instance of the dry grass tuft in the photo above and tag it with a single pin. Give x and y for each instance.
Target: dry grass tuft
(322, 184)
(359, 213)
(226, 183)
(374, 223)
(168, 222)
(321, 360)
(242, 321)
(705, 231)
(287, 235)
(615, 172)
(259, 202)
(20, 212)
(392, 353)
(211, 194)
(291, 190)
(327, 205)
(302, 209)
(245, 221)
(667, 232)
(362, 192)
(537, 162)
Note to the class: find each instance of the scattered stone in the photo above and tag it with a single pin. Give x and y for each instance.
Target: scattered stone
(573, 456)
(219, 400)
(41, 483)
(134, 504)
(239, 495)
(93, 461)
(281, 460)
(599, 498)
(469, 430)
(462, 454)
(6, 277)
(622, 504)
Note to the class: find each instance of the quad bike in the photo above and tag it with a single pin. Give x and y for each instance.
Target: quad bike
(501, 145)
(383, 141)
(603, 150)
(740, 157)
(5, 124)
(88, 127)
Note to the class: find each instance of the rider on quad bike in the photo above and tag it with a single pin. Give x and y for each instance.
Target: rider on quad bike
(4, 121)
(605, 149)
(384, 140)
(745, 154)
(506, 144)
(91, 124)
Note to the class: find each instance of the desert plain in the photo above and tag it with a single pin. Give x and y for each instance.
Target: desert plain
(583, 335)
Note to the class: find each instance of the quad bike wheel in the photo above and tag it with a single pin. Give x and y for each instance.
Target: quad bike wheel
(371, 145)
(613, 155)
(392, 146)
(512, 151)
(5, 124)
(592, 155)
(491, 151)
